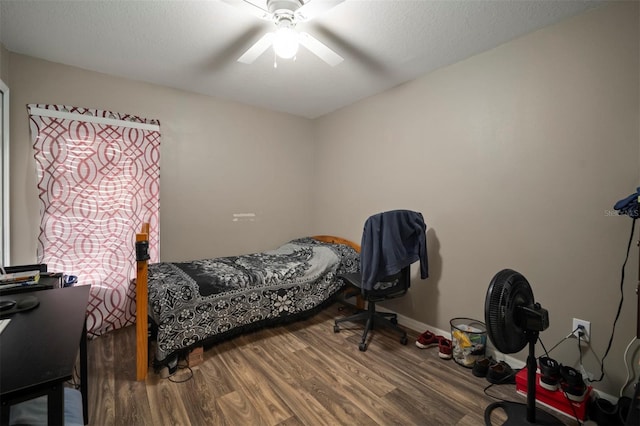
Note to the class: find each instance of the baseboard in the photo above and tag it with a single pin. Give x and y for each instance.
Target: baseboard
(515, 363)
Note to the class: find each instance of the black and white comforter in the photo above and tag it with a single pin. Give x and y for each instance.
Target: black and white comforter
(207, 300)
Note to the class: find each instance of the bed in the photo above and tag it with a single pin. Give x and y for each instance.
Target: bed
(204, 301)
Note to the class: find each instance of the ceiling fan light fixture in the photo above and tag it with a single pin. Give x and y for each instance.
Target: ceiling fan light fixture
(285, 42)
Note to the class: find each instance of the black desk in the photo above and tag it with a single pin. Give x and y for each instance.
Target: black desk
(38, 351)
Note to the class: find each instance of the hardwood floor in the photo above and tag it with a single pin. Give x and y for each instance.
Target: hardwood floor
(299, 374)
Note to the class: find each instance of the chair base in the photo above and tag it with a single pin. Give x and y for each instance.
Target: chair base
(373, 319)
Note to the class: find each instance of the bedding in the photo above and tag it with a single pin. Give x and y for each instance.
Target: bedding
(204, 301)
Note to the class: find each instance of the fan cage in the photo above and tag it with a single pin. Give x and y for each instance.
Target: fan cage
(508, 291)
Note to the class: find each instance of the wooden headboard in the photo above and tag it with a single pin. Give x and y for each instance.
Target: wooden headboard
(337, 240)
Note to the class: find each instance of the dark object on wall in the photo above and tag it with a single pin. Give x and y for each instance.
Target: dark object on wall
(629, 205)
(514, 320)
(142, 251)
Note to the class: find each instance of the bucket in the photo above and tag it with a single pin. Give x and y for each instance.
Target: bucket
(468, 340)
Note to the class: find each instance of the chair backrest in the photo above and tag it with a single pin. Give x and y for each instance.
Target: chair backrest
(390, 287)
(392, 241)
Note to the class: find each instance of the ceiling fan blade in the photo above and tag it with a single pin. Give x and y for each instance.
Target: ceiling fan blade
(251, 7)
(352, 50)
(229, 53)
(315, 8)
(257, 49)
(320, 50)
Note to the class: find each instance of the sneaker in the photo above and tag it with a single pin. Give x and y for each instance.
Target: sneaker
(481, 366)
(602, 412)
(426, 340)
(501, 373)
(444, 346)
(549, 373)
(572, 383)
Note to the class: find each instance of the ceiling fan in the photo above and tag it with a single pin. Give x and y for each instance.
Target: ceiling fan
(286, 14)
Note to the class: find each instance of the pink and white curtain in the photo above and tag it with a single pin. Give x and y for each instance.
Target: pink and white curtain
(98, 181)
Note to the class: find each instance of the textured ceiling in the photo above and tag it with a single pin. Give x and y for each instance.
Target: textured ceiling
(193, 45)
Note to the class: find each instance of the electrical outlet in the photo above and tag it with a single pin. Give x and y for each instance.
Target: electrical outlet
(586, 329)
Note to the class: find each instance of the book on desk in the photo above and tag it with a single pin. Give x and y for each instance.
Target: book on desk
(19, 279)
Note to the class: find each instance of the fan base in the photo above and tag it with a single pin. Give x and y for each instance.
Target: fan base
(517, 415)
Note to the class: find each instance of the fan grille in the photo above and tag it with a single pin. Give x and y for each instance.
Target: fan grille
(508, 290)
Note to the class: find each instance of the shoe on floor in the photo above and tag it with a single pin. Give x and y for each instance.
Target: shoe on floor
(444, 347)
(427, 340)
(501, 373)
(481, 366)
(549, 373)
(572, 383)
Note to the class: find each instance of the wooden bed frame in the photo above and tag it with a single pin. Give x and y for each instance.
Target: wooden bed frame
(142, 294)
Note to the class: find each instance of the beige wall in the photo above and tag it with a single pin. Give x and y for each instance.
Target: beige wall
(515, 157)
(4, 64)
(217, 158)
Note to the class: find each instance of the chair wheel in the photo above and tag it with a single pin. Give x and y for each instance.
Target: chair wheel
(362, 347)
(394, 321)
(404, 340)
(336, 329)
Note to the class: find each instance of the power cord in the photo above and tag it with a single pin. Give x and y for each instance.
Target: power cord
(189, 377)
(73, 381)
(613, 331)
(184, 366)
(626, 365)
(582, 369)
(505, 380)
(497, 397)
(568, 336)
(580, 351)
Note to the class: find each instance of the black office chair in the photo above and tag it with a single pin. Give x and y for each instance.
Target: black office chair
(388, 288)
(391, 242)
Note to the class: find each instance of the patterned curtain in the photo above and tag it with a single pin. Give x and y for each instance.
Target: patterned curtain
(98, 180)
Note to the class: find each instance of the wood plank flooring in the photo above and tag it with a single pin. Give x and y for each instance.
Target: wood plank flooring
(298, 374)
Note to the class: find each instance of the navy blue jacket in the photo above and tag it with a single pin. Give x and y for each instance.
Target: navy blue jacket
(630, 205)
(391, 241)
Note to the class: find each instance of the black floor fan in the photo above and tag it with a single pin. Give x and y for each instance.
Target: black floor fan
(513, 320)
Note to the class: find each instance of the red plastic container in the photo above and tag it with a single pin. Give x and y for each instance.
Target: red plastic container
(555, 400)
